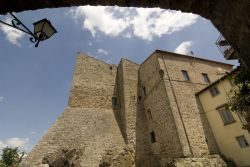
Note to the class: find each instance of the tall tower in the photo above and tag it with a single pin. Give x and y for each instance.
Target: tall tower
(88, 123)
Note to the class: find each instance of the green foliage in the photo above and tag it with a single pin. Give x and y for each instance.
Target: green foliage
(11, 157)
(240, 95)
(2, 164)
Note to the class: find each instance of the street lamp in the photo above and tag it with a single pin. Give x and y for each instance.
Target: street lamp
(42, 29)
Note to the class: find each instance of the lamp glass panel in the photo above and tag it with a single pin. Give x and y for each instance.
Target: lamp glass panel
(38, 28)
(48, 30)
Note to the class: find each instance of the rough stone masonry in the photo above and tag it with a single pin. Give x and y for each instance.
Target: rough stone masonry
(133, 115)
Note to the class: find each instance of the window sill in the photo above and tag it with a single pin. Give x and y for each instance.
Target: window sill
(115, 107)
(225, 124)
(215, 95)
(244, 147)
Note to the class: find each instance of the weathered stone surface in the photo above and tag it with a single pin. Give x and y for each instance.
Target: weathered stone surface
(152, 97)
(85, 125)
(115, 158)
(210, 161)
(176, 120)
(63, 157)
(230, 17)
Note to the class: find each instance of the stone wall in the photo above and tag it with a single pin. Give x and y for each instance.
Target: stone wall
(128, 89)
(152, 97)
(182, 96)
(133, 118)
(88, 124)
(93, 84)
(158, 111)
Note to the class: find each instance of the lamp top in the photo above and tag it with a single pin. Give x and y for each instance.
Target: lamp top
(47, 21)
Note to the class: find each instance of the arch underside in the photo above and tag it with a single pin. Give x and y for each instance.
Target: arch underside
(230, 17)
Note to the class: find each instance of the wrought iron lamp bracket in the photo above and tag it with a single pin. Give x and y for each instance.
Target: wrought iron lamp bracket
(17, 24)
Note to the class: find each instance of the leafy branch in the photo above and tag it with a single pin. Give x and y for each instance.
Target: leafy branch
(240, 95)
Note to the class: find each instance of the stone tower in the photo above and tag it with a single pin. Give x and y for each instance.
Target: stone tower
(133, 115)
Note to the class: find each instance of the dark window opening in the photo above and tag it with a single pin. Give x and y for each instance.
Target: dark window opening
(185, 75)
(152, 136)
(226, 115)
(161, 72)
(139, 97)
(205, 77)
(144, 90)
(242, 141)
(114, 101)
(149, 114)
(214, 91)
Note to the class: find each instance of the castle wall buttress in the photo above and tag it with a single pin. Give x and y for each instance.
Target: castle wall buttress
(89, 122)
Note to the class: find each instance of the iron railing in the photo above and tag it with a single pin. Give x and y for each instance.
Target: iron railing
(224, 47)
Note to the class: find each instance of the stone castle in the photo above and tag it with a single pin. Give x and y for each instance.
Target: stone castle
(143, 115)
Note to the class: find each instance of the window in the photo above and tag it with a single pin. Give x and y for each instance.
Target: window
(226, 115)
(242, 141)
(152, 136)
(214, 91)
(161, 72)
(149, 113)
(114, 101)
(144, 90)
(185, 75)
(205, 77)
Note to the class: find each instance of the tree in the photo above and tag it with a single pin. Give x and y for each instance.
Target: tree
(11, 157)
(240, 95)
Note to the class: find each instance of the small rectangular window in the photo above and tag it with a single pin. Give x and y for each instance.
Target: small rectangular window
(242, 141)
(226, 115)
(152, 136)
(114, 101)
(214, 91)
(144, 91)
(149, 114)
(205, 77)
(185, 75)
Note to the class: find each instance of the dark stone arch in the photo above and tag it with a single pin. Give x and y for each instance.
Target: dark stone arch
(230, 17)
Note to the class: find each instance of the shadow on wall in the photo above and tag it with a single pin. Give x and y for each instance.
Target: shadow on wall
(211, 142)
(119, 110)
(144, 156)
(143, 153)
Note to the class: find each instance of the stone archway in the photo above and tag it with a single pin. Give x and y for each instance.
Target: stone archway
(230, 17)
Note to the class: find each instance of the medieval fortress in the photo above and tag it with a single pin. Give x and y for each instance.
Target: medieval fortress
(143, 115)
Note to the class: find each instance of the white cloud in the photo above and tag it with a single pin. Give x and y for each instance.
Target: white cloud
(2, 145)
(102, 51)
(13, 142)
(98, 18)
(90, 44)
(127, 35)
(1, 98)
(16, 142)
(139, 22)
(12, 35)
(183, 48)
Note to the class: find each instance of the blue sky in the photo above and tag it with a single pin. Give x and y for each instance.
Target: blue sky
(35, 82)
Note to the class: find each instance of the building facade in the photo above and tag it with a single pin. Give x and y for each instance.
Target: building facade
(133, 115)
(228, 127)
